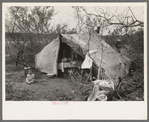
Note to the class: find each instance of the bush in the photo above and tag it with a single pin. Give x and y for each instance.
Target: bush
(29, 43)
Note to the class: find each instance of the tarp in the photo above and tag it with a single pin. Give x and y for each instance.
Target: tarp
(46, 60)
(114, 63)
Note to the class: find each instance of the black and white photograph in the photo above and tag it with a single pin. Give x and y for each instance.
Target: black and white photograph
(63, 53)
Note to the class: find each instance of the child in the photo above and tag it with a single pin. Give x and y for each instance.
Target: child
(30, 77)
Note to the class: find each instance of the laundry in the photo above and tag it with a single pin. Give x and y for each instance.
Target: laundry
(87, 64)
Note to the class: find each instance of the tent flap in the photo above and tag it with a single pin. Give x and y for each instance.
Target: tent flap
(46, 60)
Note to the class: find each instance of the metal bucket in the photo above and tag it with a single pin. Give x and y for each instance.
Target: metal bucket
(26, 71)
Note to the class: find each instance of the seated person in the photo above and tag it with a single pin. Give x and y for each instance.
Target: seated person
(30, 77)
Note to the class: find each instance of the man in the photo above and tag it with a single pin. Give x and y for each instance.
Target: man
(118, 45)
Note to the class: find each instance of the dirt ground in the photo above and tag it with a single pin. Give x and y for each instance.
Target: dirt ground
(50, 89)
(44, 89)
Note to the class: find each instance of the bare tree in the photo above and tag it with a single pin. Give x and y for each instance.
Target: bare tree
(61, 29)
(124, 20)
(88, 21)
(33, 25)
(31, 19)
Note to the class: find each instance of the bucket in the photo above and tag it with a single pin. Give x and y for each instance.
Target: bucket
(26, 71)
(102, 97)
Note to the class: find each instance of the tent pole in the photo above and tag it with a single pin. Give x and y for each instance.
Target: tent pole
(91, 73)
(63, 61)
(99, 73)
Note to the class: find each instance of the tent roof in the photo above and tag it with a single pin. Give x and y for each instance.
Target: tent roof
(106, 57)
(82, 43)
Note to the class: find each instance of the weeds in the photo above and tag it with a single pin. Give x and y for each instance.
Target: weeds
(17, 95)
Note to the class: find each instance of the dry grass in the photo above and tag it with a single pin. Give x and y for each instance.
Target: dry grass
(44, 89)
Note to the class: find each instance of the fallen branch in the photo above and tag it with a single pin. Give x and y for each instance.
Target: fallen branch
(119, 95)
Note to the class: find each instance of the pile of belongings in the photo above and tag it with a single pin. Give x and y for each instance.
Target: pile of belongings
(101, 88)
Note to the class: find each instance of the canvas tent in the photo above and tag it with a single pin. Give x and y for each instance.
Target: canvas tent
(46, 60)
(114, 63)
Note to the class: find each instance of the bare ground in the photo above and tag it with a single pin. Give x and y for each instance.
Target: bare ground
(44, 89)
(51, 89)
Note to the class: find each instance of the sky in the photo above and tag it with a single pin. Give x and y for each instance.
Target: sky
(66, 13)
